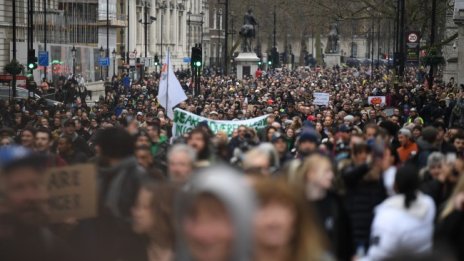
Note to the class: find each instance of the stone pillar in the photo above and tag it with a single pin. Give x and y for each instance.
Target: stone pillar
(458, 18)
(153, 39)
(133, 25)
(460, 47)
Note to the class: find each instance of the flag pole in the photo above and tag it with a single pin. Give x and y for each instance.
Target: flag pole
(167, 81)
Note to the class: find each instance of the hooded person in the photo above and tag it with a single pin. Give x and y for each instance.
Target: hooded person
(403, 223)
(215, 215)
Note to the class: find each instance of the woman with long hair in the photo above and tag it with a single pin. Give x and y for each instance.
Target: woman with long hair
(449, 234)
(284, 227)
(153, 218)
(316, 178)
(200, 140)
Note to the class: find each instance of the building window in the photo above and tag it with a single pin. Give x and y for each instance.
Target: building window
(354, 49)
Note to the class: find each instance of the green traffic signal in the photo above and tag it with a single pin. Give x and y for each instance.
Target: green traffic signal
(198, 64)
(259, 63)
(30, 66)
(269, 62)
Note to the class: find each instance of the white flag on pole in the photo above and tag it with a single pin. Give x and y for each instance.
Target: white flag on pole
(170, 92)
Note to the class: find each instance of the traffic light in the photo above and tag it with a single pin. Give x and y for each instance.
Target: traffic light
(259, 62)
(156, 60)
(269, 62)
(31, 60)
(196, 56)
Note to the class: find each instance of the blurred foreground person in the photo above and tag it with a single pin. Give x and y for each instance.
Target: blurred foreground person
(109, 236)
(403, 223)
(316, 178)
(284, 228)
(181, 159)
(199, 140)
(449, 234)
(24, 234)
(215, 217)
(364, 189)
(153, 218)
(261, 160)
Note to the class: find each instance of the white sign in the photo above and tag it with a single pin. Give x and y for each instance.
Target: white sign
(132, 62)
(321, 98)
(147, 61)
(377, 100)
(132, 55)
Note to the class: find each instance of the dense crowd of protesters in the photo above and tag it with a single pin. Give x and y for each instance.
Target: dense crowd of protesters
(348, 180)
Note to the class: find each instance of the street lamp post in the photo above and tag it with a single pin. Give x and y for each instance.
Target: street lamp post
(145, 23)
(226, 35)
(189, 21)
(114, 62)
(201, 35)
(162, 8)
(73, 52)
(102, 53)
(107, 33)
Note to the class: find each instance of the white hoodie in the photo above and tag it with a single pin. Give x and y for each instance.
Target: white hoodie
(397, 230)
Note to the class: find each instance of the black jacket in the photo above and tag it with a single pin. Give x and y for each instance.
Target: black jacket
(109, 236)
(362, 196)
(19, 242)
(449, 235)
(334, 218)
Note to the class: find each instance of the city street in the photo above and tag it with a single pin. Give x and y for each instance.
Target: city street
(220, 130)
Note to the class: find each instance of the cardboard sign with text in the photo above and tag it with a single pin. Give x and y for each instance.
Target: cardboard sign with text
(321, 98)
(72, 192)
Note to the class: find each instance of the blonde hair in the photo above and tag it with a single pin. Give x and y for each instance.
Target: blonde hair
(449, 206)
(299, 177)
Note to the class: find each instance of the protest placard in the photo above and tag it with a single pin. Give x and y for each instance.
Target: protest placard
(72, 192)
(321, 98)
(185, 121)
(374, 100)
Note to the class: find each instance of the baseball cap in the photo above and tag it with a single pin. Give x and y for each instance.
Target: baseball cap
(12, 157)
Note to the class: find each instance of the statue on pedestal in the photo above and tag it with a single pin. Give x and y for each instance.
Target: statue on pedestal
(248, 31)
(332, 40)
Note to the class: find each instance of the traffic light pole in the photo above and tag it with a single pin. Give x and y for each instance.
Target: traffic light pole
(45, 33)
(14, 47)
(30, 42)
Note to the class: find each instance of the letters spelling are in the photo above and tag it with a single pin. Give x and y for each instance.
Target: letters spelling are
(62, 179)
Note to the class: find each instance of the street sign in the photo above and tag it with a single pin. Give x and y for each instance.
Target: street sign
(132, 62)
(187, 59)
(132, 55)
(104, 61)
(43, 58)
(412, 46)
(147, 61)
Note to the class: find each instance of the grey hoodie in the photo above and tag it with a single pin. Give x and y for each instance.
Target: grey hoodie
(237, 196)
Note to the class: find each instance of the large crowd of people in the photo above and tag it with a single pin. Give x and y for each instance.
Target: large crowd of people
(352, 179)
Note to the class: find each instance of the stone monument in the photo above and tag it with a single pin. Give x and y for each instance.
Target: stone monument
(332, 50)
(449, 50)
(247, 60)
